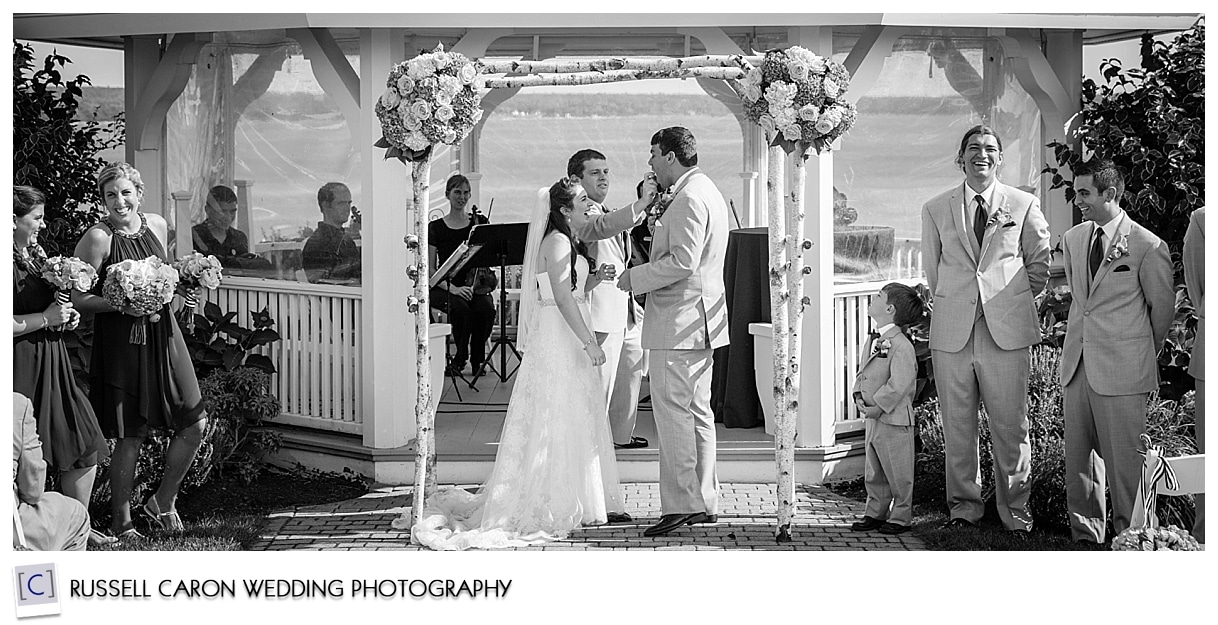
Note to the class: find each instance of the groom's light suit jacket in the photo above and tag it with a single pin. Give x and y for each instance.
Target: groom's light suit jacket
(686, 305)
(1002, 277)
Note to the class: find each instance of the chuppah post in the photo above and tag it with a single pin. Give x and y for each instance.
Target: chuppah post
(779, 283)
(425, 414)
(788, 412)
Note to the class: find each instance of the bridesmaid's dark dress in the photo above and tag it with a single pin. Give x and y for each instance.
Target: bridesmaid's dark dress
(71, 438)
(138, 390)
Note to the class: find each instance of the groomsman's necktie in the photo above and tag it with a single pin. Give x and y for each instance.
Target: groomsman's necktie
(979, 219)
(1097, 252)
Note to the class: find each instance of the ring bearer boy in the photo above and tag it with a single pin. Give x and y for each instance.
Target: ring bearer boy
(883, 393)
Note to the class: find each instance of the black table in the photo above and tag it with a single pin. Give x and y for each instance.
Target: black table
(747, 284)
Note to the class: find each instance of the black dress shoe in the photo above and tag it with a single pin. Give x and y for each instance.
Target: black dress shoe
(893, 529)
(867, 524)
(617, 517)
(702, 517)
(668, 523)
(957, 523)
(636, 442)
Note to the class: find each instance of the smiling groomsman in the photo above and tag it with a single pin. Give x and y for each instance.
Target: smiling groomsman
(985, 246)
(617, 319)
(1120, 276)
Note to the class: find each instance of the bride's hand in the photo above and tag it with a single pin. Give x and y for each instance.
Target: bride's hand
(595, 353)
(606, 273)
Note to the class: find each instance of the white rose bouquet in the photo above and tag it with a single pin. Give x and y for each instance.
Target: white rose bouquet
(432, 98)
(798, 97)
(143, 286)
(1170, 538)
(198, 271)
(65, 274)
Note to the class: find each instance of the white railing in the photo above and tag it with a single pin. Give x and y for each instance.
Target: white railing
(319, 358)
(850, 326)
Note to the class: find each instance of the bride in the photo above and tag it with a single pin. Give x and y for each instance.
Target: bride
(555, 469)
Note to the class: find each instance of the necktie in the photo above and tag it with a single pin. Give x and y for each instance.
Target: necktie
(1097, 252)
(979, 219)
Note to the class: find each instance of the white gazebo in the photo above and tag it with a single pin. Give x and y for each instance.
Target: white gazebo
(346, 364)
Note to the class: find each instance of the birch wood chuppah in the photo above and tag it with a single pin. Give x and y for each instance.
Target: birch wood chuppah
(794, 95)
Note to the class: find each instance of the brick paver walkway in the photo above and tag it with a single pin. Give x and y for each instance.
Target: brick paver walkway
(746, 521)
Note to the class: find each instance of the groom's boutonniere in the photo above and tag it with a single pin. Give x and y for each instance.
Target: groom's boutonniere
(657, 209)
(1119, 249)
(881, 348)
(1000, 216)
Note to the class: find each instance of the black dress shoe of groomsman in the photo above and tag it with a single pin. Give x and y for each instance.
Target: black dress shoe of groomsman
(893, 529)
(670, 522)
(868, 524)
(702, 517)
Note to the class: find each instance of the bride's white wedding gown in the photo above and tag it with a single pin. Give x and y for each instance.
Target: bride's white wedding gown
(555, 469)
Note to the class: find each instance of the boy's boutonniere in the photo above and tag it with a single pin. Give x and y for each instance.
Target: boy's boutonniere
(881, 348)
(1000, 216)
(1119, 249)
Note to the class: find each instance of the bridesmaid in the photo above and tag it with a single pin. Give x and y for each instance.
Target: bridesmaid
(72, 442)
(137, 390)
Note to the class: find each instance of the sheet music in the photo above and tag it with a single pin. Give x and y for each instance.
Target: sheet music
(454, 263)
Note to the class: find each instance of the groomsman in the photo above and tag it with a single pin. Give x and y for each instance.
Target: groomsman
(617, 319)
(1194, 281)
(986, 250)
(686, 320)
(1120, 276)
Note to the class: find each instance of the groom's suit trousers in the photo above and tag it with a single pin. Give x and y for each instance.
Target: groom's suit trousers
(686, 429)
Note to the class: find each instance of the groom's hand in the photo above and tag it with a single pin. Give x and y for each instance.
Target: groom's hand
(623, 281)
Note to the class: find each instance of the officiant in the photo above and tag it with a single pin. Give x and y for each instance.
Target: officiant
(465, 297)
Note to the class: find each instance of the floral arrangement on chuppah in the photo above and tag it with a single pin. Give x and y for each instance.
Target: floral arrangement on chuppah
(798, 96)
(144, 286)
(432, 98)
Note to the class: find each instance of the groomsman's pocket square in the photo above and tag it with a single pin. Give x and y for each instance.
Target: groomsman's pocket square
(1121, 268)
(1009, 224)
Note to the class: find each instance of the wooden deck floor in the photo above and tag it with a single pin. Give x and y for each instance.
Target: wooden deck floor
(470, 424)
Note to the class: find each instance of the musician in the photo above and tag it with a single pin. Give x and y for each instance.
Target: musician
(466, 296)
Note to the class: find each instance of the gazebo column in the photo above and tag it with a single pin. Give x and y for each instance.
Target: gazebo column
(153, 81)
(386, 328)
(1064, 53)
(817, 397)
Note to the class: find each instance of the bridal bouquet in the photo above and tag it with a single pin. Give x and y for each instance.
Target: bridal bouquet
(143, 285)
(797, 96)
(198, 271)
(432, 98)
(67, 273)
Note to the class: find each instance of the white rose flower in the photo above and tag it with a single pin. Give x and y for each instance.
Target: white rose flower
(390, 98)
(477, 115)
(831, 88)
(444, 113)
(767, 124)
(808, 113)
(409, 120)
(450, 136)
(467, 73)
(798, 70)
(817, 65)
(421, 109)
(752, 92)
(441, 59)
(791, 132)
(443, 98)
(405, 85)
(824, 125)
(754, 76)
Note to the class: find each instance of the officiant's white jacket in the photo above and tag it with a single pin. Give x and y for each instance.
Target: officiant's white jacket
(686, 304)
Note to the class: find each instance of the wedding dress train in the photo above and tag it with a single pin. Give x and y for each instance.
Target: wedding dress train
(555, 469)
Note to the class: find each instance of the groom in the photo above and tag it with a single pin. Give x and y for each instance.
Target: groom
(685, 320)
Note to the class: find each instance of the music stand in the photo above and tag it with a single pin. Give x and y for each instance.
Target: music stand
(499, 245)
(444, 275)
